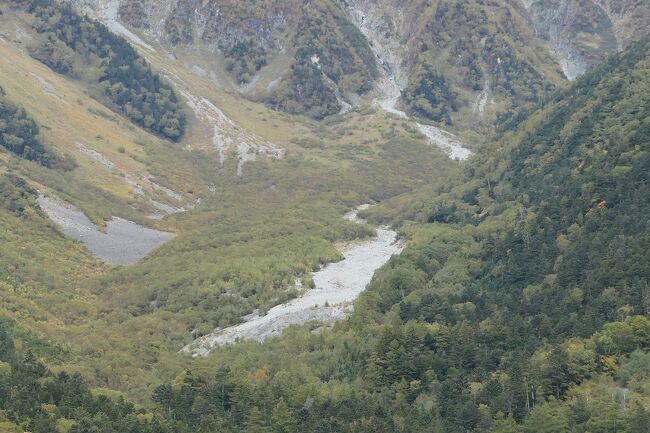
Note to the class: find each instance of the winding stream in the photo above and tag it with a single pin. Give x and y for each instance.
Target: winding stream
(371, 22)
(337, 285)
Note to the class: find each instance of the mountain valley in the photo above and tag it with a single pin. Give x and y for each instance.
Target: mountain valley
(459, 187)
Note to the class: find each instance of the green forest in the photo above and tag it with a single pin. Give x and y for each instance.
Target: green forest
(82, 48)
(482, 51)
(19, 132)
(345, 63)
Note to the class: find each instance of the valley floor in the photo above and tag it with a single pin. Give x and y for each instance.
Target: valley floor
(336, 287)
(257, 218)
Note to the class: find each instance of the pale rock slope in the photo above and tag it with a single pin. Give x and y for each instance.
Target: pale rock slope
(383, 31)
(122, 243)
(581, 33)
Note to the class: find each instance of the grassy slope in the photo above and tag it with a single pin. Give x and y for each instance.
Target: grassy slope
(67, 116)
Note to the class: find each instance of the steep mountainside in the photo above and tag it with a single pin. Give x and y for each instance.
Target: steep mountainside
(300, 57)
(313, 57)
(562, 205)
(458, 61)
(461, 62)
(581, 33)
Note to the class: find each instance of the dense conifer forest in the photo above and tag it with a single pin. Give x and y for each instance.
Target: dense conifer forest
(77, 46)
(19, 132)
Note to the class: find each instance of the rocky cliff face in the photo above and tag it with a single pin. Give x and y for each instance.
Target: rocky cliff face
(300, 57)
(229, 27)
(384, 25)
(452, 61)
(581, 33)
(455, 61)
(467, 61)
(630, 19)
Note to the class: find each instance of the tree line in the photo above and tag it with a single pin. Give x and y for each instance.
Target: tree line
(77, 46)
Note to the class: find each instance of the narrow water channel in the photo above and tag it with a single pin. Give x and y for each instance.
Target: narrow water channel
(337, 285)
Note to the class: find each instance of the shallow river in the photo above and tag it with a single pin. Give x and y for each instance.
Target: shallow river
(337, 285)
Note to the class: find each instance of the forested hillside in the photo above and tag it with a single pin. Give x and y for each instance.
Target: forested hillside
(580, 177)
(474, 55)
(332, 59)
(19, 134)
(82, 48)
(38, 400)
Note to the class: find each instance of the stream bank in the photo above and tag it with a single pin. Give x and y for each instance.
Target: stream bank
(337, 285)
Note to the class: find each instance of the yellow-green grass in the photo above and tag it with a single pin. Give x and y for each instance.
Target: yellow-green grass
(69, 116)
